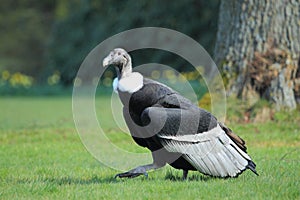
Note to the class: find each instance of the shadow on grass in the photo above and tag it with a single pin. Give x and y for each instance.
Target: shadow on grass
(100, 180)
(69, 180)
(191, 177)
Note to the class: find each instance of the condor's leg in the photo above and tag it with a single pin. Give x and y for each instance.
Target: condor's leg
(185, 173)
(158, 162)
(141, 170)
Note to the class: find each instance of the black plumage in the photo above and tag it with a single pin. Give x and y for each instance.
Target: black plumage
(175, 130)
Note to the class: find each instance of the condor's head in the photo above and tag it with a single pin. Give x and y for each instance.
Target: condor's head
(121, 60)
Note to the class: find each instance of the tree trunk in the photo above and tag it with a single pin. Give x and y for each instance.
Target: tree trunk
(258, 48)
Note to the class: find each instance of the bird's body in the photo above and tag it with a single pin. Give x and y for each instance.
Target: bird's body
(175, 130)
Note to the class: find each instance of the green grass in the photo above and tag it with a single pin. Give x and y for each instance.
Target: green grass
(42, 157)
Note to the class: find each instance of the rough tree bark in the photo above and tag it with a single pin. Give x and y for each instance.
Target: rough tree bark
(258, 48)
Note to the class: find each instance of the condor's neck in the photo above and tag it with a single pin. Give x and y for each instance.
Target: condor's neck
(124, 70)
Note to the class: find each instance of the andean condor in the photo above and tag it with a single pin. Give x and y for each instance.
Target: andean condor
(175, 130)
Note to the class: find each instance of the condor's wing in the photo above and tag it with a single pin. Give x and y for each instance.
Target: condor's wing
(197, 135)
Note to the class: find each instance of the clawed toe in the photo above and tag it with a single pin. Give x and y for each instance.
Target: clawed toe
(130, 175)
(141, 170)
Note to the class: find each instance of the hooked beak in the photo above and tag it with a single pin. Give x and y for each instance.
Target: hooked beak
(106, 62)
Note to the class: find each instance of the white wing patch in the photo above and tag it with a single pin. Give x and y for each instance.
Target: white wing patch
(131, 83)
(200, 137)
(211, 152)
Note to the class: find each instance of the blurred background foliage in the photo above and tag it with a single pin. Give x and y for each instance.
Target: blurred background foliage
(24, 33)
(44, 42)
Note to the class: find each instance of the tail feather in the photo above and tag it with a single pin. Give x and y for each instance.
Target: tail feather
(235, 138)
(251, 165)
(242, 145)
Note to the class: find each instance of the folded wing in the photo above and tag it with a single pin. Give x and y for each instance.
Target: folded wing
(205, 145)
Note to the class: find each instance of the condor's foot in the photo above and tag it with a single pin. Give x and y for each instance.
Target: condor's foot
(142, 170)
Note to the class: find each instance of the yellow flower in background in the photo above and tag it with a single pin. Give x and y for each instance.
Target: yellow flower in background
(155, 74)
(191, 76)
(182, 78)
(200, 69)
(5, 75)
(27, 81)
(170, 75)
(108, 74)
(107, 82)
(17, 79)
(205, 101)
(54, 78)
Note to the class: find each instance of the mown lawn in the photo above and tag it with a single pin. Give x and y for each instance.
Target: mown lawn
(42, 157)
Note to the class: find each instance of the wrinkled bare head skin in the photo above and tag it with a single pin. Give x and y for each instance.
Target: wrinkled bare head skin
(120, 59)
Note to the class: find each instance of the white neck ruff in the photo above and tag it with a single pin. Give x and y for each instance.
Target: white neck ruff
(130, 83)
